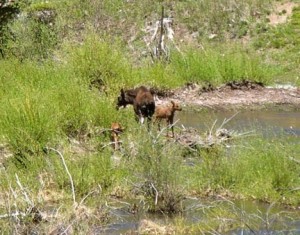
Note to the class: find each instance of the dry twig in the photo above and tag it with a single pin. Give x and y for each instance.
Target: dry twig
(68, 172)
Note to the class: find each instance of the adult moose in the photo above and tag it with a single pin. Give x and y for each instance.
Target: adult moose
(142, 100)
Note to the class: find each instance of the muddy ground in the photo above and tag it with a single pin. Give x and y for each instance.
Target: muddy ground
(233, 95)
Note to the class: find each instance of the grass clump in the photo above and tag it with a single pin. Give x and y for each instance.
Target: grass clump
(97, 60)
(43, 191)
(157, 174)
(30, 37)
(281, 44)
(259, 171)
(220, 64)
(44, 104)
(59, 80)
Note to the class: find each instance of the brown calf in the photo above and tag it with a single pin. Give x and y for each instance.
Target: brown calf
(167, 112)
(142, 100)
(116, 130)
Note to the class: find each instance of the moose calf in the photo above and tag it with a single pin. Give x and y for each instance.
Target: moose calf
(116, 130)
(167, 112)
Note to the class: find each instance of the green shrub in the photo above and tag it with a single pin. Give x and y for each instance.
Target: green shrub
(44, 102)
(28, 38)
(96, 59)
(157, 168)
(259, 170)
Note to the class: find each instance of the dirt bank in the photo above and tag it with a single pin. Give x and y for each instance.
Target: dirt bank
(235, 94)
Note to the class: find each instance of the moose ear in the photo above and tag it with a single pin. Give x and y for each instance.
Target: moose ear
(122, 92)
(152, 91)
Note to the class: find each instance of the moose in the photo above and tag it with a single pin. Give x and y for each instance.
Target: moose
(166, 112)
(142, 100)
(116, 130)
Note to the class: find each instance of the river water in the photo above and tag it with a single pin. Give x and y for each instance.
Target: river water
(271, 121)
(259, 218)
(267, 219)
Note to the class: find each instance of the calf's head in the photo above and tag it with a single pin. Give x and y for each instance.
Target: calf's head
(176, 106)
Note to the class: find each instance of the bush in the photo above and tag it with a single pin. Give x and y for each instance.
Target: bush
(28, 38)
(158, 165)
(96, 59)
(44, 103)
(262, 172)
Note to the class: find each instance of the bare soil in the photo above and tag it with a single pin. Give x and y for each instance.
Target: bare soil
(281, 13)
(234, 95)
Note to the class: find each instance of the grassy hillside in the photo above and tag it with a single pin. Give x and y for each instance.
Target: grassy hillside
(62, 66)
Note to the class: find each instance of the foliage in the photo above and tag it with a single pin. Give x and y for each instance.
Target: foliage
(59, 80)
(97, 59)
(157, 173)
(257, 170)
(220, 64)
(281, 44)
(43, 103)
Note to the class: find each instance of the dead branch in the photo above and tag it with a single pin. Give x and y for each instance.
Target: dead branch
(27, 199)
(68, 173)
(160, 43)
(14, 214)
(158, 33)
(294, 160)
(156, 194)
(111, 143)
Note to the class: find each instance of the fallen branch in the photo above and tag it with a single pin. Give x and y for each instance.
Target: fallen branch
(24, 192)
(156, 194)
(14, 214)
(111, 143)
(192, 139)
(294, 160)
(225, 121)
(83, 199)
(162, 131)
(67, 170)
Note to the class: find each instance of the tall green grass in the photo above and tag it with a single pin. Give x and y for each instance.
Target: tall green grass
(44, 104)
(258, 169)
(156, 170)
(220, 64)
(282, 44)
(46, 101)
(97, 58)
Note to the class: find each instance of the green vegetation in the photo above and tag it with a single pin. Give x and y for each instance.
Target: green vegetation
(282, 44)
(62, 66)
(257, 169)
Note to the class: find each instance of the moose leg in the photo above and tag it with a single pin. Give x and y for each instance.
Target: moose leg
(142, 119)
(137, 113)
(172, 126)
(114, 140)
(168, 126)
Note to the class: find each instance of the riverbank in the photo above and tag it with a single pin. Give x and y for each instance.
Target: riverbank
(234, 95)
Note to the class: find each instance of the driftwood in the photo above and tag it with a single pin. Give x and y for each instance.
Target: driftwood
(68, 173)
(157, 35)
(193, 139)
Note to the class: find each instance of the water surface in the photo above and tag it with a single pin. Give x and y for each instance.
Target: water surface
(267, 219)
(267, 121)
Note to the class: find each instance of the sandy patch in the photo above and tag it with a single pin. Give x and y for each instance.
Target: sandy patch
(228, 96)
(282, 11)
